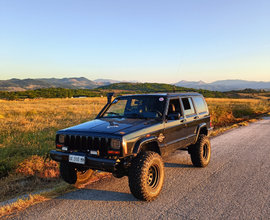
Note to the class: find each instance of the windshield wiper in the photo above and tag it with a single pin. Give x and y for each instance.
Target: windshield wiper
(135, 115)
(114, 114)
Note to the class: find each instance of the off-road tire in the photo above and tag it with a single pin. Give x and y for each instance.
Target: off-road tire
(200, 152)
(146, 176)
(73, 176)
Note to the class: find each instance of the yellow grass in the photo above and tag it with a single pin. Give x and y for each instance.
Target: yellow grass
(21, 204)
(40, 167)
(28, 127)
(227, 111)
(40, 114)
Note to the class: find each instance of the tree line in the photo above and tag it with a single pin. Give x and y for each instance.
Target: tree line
(50, 93)
(157, 87)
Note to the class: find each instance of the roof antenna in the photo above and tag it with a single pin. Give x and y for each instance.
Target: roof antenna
(179, 66)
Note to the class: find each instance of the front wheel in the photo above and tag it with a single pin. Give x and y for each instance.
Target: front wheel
(200, 152)
(72, 175)
(146, 176)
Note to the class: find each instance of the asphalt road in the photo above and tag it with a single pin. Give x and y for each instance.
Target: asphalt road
(235, 185)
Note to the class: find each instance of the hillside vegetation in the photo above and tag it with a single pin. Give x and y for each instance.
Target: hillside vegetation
(158, 87)
(31, 84)
(51, 93)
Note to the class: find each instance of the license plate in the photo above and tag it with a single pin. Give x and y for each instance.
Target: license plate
(76, 159)
(94, 152)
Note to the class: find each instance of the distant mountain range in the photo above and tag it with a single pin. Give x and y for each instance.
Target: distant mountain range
(32, 84)
(84, 83)
(225, 85)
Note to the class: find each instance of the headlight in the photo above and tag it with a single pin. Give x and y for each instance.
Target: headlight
(61, 139)
(115, 144)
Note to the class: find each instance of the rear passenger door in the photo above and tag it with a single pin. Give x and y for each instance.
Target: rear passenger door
(191, 118)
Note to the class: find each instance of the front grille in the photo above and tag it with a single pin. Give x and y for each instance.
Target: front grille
(87, 143)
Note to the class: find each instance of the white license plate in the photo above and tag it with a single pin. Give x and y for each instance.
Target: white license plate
(76, 159)
(93, 152)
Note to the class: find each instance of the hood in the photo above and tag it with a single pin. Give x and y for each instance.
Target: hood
(111, 125)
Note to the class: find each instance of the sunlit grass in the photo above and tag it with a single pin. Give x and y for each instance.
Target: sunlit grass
(28, 127)
(227, 111)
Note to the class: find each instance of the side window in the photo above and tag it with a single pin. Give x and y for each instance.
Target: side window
(174, 107)
(200, 104)
(188, 106)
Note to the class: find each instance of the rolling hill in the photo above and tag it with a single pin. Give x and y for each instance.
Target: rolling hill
(84, 83)
(225, 85)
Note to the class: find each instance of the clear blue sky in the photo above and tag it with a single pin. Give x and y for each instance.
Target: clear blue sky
(148, 41)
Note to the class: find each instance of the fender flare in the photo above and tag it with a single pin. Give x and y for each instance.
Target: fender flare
(138, 145)
(200, 126)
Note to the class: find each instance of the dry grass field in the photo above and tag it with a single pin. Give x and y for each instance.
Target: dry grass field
(27, 131)
(227, 111)
(28, 127)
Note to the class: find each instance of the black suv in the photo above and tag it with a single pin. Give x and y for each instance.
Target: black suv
(129, 136)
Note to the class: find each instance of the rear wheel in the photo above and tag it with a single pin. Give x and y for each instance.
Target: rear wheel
(72, 175)
(146, 176)
(201, 152)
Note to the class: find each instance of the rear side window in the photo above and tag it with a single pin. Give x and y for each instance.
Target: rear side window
(188, 106)
(200, 104)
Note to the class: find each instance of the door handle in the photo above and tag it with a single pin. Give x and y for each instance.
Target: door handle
(183, 120)
(196, 117)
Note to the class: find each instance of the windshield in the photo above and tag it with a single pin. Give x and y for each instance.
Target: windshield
(136, 107)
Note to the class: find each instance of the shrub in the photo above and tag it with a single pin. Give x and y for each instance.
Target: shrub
(38, 166)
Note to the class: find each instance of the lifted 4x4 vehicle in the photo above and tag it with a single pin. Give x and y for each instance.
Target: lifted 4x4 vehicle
(129, 136)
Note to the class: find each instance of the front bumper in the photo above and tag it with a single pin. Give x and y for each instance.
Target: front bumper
(94, 163)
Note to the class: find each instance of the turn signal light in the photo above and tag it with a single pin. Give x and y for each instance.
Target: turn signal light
(113, 152)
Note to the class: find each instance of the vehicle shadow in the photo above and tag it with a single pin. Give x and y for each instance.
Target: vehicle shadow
(99, 195)
(178, 159)
(177, 165)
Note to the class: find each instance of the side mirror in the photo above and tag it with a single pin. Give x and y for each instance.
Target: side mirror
(174, 116)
